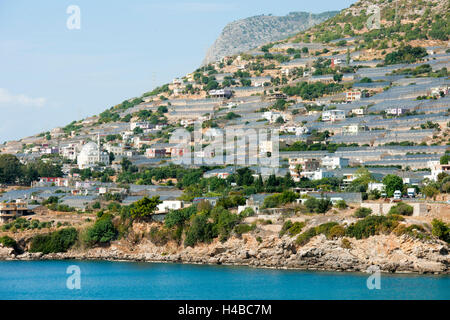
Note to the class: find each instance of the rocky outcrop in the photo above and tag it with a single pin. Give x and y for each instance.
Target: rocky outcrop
(246, 34)
(389, 252)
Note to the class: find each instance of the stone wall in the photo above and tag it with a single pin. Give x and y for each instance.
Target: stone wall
(420, 209)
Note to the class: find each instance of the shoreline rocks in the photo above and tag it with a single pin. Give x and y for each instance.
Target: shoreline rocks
(391, 254)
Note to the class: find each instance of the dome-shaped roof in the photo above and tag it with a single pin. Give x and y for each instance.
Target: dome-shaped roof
(89, 148)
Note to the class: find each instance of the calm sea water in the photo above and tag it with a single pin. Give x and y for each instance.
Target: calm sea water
(132, 280)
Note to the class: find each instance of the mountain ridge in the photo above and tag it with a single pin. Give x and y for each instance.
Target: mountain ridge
(249, 33)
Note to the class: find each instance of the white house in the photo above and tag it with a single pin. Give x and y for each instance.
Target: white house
(396, 111)
(375, 186)
(353, 129)
(333, 115)
(352, 96)
(273, 116)
(436, 169)
(167, 205)
(298, 130)
(334, 162)
(316, 175)
(359, 111)
(141, 124)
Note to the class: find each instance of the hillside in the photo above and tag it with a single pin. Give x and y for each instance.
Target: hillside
(400, 21)
(249, 33)
(363, 149)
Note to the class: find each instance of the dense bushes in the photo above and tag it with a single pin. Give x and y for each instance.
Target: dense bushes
(244, 228)
(200, 230)
(103, 231)
(57, 241)
(318, 205)
(406, 54)
(292, 229)
(8, 242)
(341, 204)
(310, 91)
(324, 228)
(362, 212)
(160, 236)
(402, 209)
(24, 224)
(278, 199)
(441, 230)
(370, 226)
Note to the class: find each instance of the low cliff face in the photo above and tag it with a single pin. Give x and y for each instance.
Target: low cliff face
(246, 34)
(389, 252)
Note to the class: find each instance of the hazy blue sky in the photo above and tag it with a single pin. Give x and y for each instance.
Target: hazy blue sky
(50, 75)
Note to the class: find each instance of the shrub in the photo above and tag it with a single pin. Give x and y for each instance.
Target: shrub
(103, 231)
(291, 229)
(286, 226)
(244, 228)
(370, 226)
(247, 212)
(362, 212)
(440, 230)
(58, 241)
(336, 232)
(318, 205)
(200, 230)
(160, 236)
(402, 209)
(325, 228)
(179, 217)
(341, 204)
(304, 237)
(345, 243)
(8, 242)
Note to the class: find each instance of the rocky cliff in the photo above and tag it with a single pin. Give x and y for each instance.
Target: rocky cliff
(389, 252)
(246, 34)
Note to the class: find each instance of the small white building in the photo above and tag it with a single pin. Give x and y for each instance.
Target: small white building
(334, 162)
(272, 117)
(316, 175)
(376, 186)
(298, 130)
(333, 115)
(168, 205)
(141, 124)
(396, 111)
(353, 129)
(352, 96)
(359, 111)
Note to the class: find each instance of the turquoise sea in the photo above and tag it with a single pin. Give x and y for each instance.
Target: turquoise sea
(133, 280)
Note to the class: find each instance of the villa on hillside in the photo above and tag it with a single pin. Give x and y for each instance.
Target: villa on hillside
(11, 210)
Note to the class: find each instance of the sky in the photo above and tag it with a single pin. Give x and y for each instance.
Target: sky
(51, 74)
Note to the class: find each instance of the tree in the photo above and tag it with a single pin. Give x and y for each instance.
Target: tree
(392, 183)
(441, 230)
(244, 177)
(144, 207)
(445, 159)
(103, 231)
(348, 56)
(430, 191)
(10, 168)
(126, 164)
